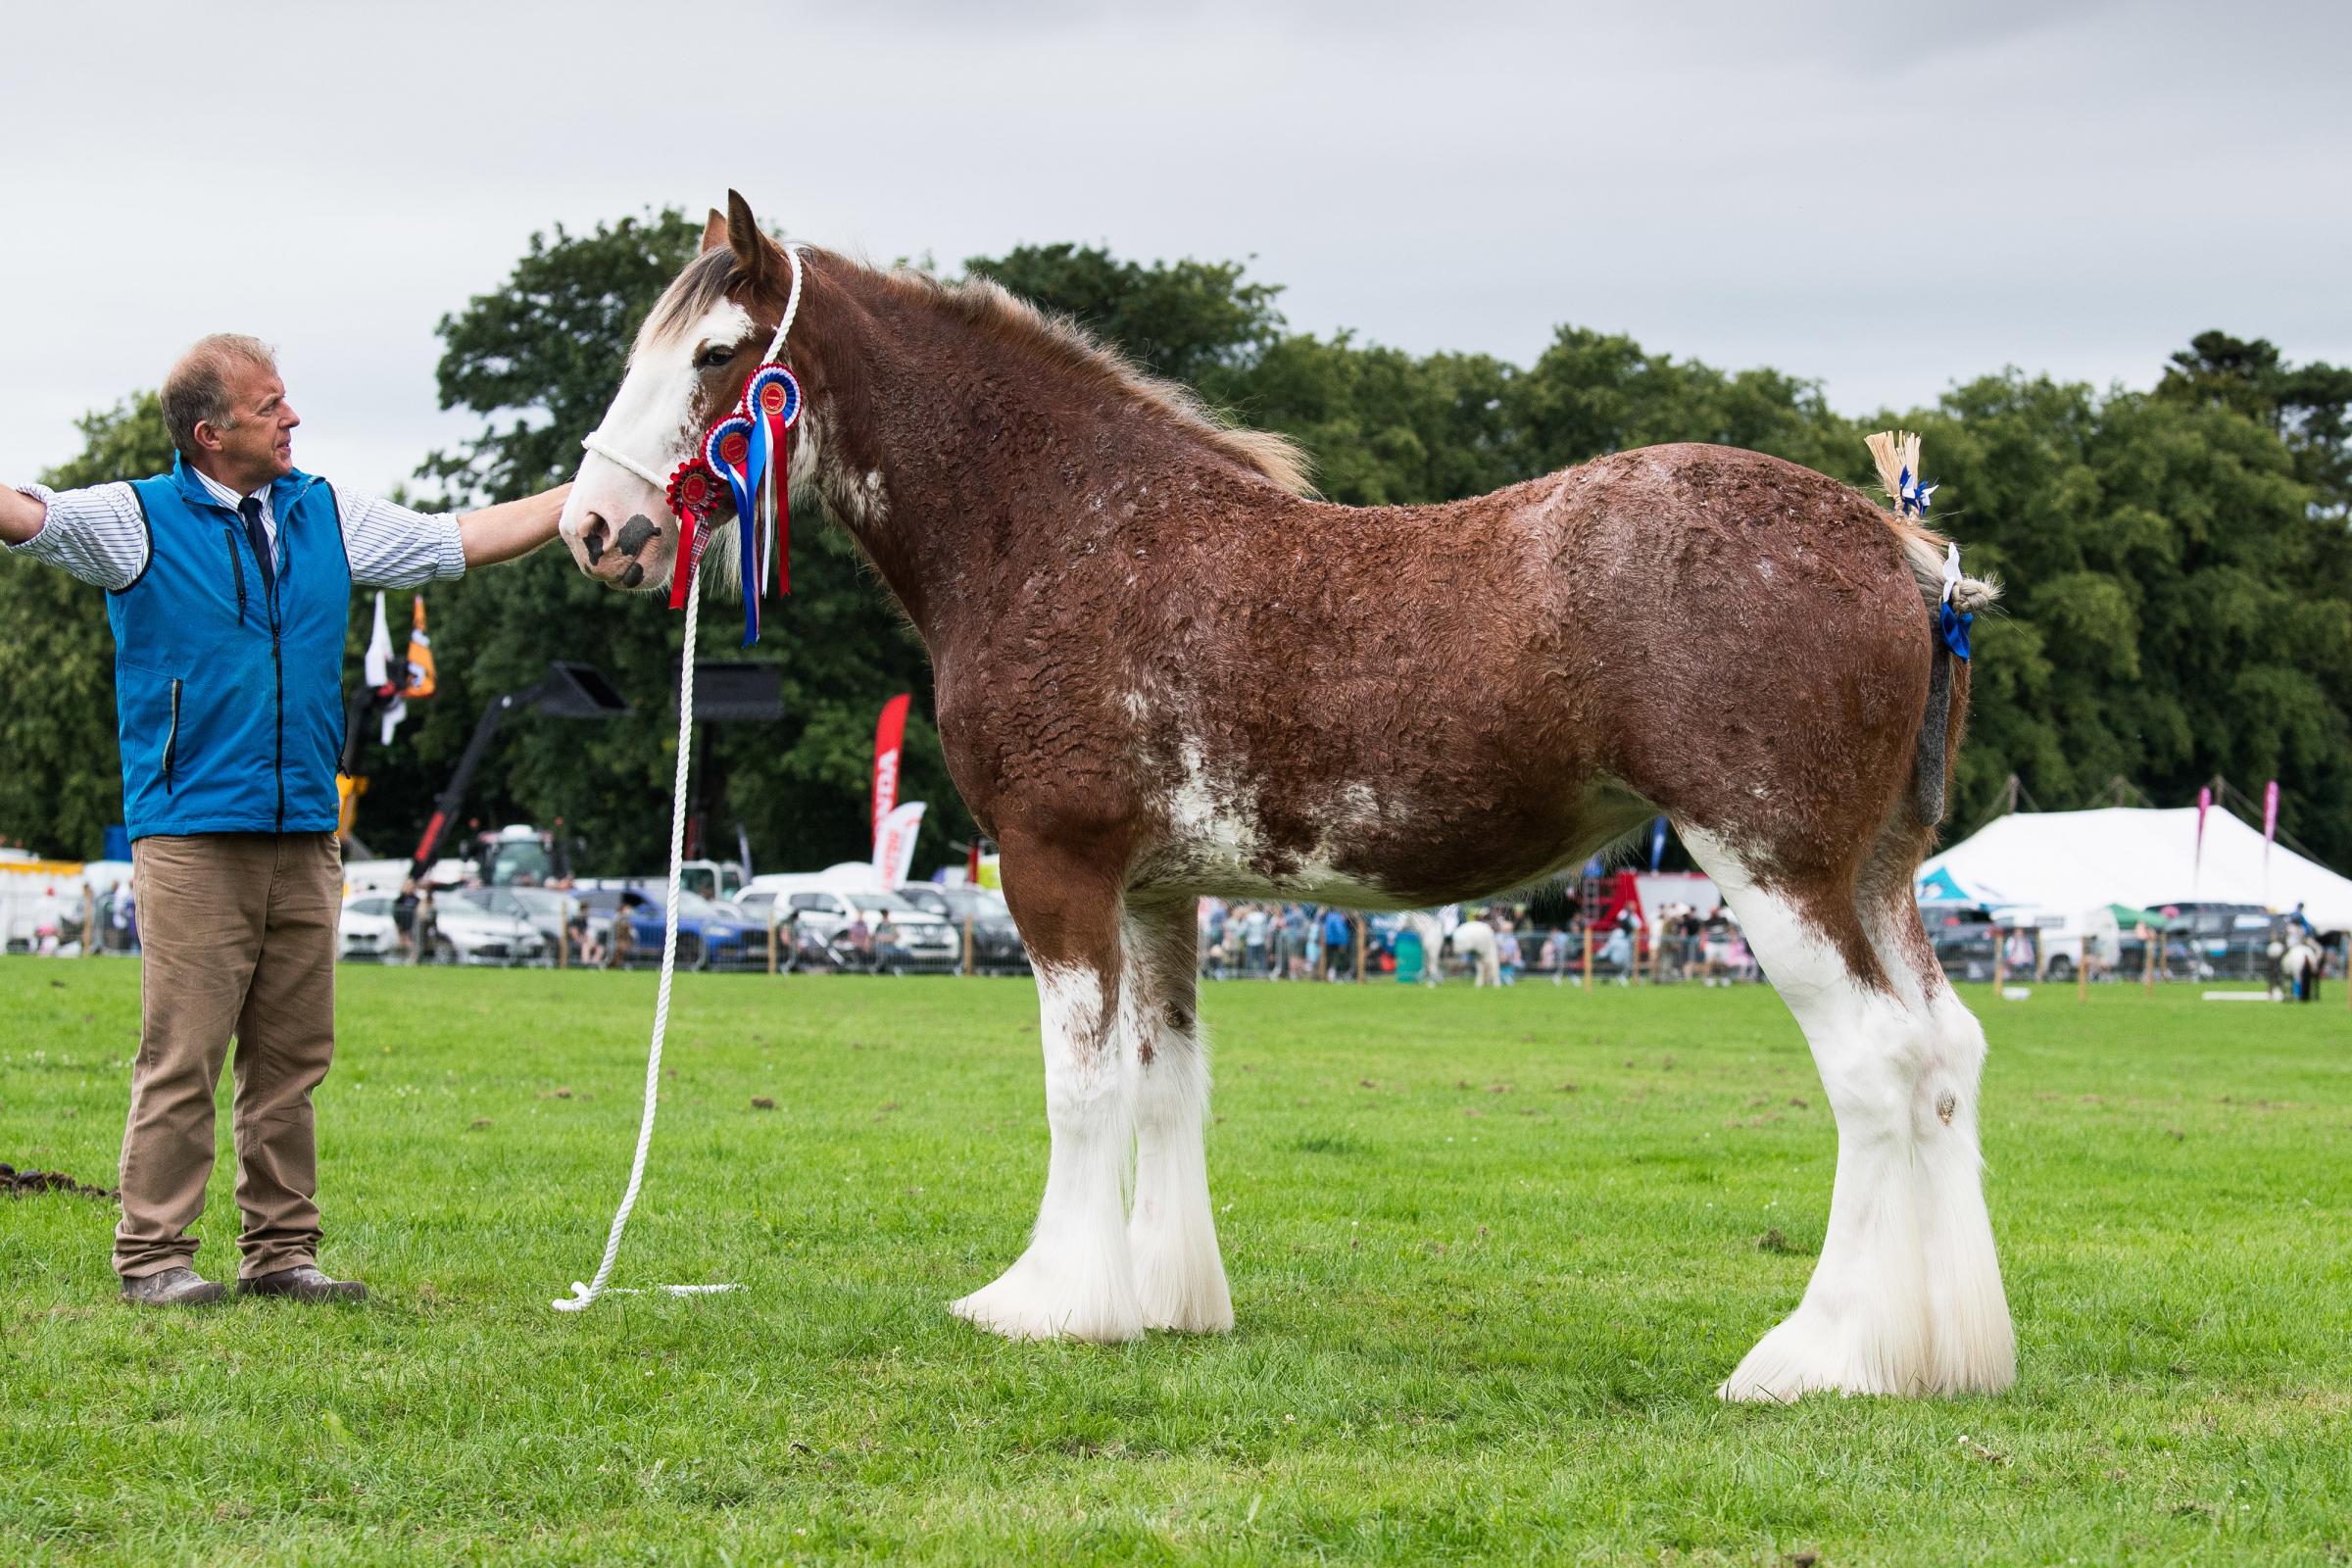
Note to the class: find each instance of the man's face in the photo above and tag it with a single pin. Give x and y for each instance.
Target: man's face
(260, 446)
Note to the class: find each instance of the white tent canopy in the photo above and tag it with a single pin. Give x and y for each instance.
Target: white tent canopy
(2075, 861)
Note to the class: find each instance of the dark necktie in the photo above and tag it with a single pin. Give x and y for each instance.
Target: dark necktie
(250, 509)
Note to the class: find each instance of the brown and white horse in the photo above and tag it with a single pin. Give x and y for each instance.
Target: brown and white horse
(1104, 574)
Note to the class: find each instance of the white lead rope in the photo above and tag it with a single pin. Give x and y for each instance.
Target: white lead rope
(584, 1295)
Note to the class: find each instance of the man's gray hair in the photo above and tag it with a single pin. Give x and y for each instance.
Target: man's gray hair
(196, 392)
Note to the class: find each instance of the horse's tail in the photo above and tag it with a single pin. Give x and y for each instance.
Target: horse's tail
(1936, 566)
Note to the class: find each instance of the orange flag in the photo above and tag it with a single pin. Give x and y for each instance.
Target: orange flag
(420, 655)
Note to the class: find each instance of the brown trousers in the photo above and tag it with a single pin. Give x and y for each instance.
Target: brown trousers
(240, 931)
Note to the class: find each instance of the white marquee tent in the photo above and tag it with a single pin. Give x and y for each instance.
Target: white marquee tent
(2076, 860)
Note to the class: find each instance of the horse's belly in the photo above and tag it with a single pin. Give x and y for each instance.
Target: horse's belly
(1362, 853)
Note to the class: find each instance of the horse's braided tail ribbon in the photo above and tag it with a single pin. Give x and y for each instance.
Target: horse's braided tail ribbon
(583, 1295)
(1896, 453)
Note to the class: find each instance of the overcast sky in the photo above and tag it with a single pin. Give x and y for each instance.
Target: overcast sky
(1887, 205)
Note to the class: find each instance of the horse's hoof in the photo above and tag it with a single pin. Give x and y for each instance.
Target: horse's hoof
(1808, 1353)
(1030, 1302)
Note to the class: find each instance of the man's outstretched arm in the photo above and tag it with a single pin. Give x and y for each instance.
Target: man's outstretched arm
(512, 528)
(98, 534)
(393, 547)
(21, 517)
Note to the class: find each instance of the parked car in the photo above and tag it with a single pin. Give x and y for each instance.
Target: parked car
(996, 940)
(2230, 941)
(368, 931)
(467, 930)
(1966, 941)
(709, 935)
(543, 909)
(926, 942)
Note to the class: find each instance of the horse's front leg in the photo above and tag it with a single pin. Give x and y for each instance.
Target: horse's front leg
(1172, 1236)
(1075, 1281)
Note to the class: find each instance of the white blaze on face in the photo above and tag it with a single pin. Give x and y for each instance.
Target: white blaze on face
(652, 420)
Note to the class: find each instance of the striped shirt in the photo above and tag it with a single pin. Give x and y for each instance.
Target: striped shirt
(100, 535)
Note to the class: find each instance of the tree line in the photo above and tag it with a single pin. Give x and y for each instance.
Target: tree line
(2178, 561)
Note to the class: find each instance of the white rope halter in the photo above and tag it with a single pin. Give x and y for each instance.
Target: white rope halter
(595, 440)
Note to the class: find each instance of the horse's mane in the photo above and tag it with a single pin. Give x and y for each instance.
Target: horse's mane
(1061, 343)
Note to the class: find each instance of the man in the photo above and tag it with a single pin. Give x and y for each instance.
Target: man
(228, 589)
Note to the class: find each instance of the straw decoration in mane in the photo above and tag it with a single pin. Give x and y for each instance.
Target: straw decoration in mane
(1475, 696)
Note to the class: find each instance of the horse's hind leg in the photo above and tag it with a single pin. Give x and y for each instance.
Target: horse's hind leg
(1172, 1235)
(1906, 1297)
(1075, 1279)
(1971, 1342)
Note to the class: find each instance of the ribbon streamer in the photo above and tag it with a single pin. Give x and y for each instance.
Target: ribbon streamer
(1911, 495)
(1955, 622)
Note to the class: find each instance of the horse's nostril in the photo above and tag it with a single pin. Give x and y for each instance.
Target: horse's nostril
(634, 533)
(592, 538)
(634, 576)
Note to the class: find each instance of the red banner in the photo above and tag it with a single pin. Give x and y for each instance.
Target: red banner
(889, 737)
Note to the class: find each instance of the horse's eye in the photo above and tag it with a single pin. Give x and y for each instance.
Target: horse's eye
(712, 358)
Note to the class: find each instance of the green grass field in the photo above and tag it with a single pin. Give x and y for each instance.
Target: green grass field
(1491, 1251)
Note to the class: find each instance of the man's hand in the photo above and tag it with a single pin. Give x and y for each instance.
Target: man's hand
(21, 517)
(512, 529)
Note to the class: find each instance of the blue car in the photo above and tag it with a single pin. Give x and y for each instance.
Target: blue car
(711, 935)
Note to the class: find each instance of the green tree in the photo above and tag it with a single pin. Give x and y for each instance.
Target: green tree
(2308, 405)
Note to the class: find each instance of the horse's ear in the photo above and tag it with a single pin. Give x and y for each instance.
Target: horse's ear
(715, 230)
(750, 247)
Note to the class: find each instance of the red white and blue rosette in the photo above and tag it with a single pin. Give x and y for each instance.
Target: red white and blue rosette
(727, 453)
(771, 400)
(693, 491)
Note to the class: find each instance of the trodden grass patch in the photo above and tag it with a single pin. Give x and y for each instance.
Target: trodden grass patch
(1491, 1252)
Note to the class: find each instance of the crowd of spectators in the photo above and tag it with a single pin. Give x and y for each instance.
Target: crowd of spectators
(1495, 943)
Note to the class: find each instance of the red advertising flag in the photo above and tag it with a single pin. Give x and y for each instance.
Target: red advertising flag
(889, 737)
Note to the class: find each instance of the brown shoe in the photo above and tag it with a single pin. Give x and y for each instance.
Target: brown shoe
(170, 1287)
(304, 1284)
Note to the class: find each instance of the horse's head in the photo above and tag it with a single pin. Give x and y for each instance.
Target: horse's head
(693, 354)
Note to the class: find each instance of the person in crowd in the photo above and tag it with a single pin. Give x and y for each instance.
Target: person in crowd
(1339, 945)
(429, 928)
(585, 948)
(890, 951)
(1256, 927)
(621, 935)
(1506, 950)
(1617, 954)
(857, 938)
(1738, 963)
(404, 919)
(1715, 945)
(48, 922)
(2018, 958)
(229, 583)
(1292, 943)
